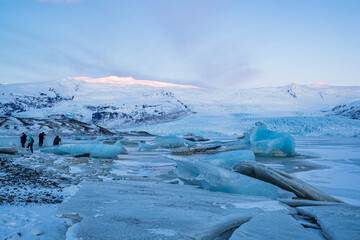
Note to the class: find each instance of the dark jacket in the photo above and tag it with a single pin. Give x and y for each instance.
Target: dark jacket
(23, 138)
(57, 140)
(42, 135)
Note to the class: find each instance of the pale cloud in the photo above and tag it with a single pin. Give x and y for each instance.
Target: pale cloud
(60, 1)
(131, 81)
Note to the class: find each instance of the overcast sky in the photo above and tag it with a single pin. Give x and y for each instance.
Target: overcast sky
(220, 43)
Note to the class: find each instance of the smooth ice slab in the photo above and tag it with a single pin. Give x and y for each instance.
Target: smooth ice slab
(165, 142)
(215, 178)
(269, 143)
(149, 210)
(339, 222)
(229, 159)
(273, 226)
(95, 150)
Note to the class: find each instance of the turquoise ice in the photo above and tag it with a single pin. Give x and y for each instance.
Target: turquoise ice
(217, 179)
(265, 142)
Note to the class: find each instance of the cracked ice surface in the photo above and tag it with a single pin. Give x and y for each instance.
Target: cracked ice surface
(273, 226)
(149, 210)
(337, 222)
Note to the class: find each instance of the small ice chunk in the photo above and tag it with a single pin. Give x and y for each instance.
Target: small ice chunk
(95, 149)
(229, 159)
(270, 143)
(218, 179)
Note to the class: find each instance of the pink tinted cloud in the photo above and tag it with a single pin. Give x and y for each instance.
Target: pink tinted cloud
(60, 1)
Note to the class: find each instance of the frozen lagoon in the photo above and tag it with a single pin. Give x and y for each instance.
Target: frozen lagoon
(331, 164)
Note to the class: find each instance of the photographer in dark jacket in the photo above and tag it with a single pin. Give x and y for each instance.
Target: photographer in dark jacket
(41, 138)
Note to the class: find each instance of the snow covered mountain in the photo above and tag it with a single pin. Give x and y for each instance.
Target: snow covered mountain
(288, 100)
(117, 103)
(113, 104)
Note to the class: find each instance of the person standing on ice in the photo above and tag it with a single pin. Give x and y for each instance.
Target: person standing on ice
(41, 138)
(23, 139)
(57, 140)
(30, 142)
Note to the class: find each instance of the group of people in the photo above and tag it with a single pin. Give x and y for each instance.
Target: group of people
(30, 140)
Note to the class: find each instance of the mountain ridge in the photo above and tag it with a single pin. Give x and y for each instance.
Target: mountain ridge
(116, 105)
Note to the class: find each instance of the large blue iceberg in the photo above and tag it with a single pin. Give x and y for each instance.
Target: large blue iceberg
(94, 149)
(217, 179)
(265, 142)
(229, 159)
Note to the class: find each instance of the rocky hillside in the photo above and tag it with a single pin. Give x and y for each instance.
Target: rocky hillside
(54, 125)
(351, 110)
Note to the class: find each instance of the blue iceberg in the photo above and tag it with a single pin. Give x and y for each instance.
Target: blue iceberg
(221, 180)
(265, 142)
(229, 159)
(94, 149)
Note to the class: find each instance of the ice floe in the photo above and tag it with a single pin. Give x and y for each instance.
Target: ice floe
(95, 150)
(273, 226)
(338, 222)
(214, 178)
